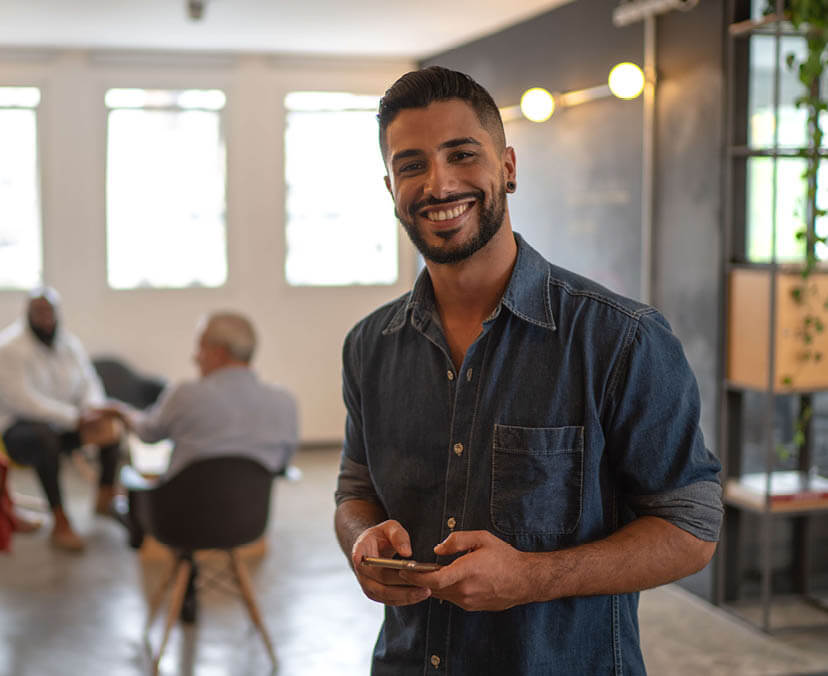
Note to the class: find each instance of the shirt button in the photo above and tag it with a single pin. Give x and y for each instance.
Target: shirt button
(451, 523)
(469, 375)
(435, 661)
(450, 375)
(458, 448)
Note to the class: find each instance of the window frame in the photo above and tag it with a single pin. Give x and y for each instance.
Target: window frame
(38, 177)
(401, 277)
(176, 84)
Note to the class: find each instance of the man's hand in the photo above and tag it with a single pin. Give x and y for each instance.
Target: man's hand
(112, 408)
(99, 428)
(491, 575)
(381, 584)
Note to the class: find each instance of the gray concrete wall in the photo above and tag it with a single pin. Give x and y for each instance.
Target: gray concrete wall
(579, 174)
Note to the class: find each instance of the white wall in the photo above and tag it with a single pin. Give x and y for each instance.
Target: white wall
(301, 329)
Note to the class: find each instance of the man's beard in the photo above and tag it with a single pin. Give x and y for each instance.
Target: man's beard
(45, 337)
(490, 220)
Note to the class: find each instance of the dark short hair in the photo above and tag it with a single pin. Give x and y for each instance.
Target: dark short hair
(420, 88)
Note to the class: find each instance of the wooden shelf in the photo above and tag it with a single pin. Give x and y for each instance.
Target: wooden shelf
(761, 298)
(767, 25)
(791, 491)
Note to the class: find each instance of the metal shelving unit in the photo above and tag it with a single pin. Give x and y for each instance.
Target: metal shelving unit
(758, 497)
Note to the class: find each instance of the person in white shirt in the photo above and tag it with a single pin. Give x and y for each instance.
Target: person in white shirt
(49, 391)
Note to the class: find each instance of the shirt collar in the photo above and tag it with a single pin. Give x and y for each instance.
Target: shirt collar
(229, 372)
(526, 295)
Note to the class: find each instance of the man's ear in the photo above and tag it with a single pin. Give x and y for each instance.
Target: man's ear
(388, 186)
(509, 164)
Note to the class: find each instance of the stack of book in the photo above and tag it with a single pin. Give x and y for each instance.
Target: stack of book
(789, 491)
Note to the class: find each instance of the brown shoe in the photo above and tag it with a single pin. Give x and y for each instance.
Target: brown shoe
(67, 540)
(23, 525)
(103, 503)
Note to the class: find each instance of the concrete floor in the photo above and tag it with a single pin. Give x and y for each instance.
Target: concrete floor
(63, 614)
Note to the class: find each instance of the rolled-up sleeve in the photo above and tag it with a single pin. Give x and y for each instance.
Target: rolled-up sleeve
(696, 508)
(654, 440)
(354, 480)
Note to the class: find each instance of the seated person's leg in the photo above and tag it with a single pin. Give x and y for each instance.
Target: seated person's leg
(133, 516)
(109, 456)
(105, 433)
(38, 445)
(133, 521)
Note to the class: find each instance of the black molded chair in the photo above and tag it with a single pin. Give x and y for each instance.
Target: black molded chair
(216, 503)
(122, 382)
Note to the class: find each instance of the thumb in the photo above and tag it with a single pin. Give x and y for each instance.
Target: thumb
(461, 541)
(399, 538)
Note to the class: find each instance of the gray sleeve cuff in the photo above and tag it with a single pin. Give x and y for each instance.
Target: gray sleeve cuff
(354, 482)
(696, 508)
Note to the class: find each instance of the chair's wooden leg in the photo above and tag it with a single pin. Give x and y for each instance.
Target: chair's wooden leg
(174, 608)
(158, 596)
(246, 587)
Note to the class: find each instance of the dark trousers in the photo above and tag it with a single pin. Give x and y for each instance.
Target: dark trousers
(40, 445)
(135, 521)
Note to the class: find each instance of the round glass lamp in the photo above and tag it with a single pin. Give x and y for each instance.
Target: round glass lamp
(537, 104)
(626, 80)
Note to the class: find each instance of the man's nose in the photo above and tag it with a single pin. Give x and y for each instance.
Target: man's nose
(440, 181)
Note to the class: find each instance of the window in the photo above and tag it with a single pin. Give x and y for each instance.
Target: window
(340, 227)
(789, 211)
(20, 236)
(165, 189)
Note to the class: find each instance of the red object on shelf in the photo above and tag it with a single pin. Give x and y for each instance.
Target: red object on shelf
(789, 491)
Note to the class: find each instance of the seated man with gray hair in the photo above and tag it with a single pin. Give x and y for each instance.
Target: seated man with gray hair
(228, 410)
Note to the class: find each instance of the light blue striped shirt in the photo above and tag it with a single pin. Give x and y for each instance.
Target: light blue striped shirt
(228, 412)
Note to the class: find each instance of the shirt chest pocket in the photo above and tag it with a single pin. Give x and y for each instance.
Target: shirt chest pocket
(537, 479)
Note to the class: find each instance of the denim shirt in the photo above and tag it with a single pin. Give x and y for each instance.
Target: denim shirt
(574, 412)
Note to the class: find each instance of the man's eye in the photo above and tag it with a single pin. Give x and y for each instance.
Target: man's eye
(461, 155)
(409, 167)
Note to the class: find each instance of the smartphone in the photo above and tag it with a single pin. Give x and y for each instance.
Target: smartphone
(400, 564)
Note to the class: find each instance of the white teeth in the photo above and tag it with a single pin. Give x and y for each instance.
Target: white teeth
(445, 215)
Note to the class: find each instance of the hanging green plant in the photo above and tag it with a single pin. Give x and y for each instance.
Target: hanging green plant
(810, 18)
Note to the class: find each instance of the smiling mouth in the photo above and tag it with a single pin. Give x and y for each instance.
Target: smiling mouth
(437, 215)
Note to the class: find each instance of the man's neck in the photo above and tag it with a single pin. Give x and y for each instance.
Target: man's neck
(226, 366)
(470, 290)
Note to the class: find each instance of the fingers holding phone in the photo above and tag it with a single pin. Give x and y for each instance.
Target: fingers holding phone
(401, 564)
(383, 583)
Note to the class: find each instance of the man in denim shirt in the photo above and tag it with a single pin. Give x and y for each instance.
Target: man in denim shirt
(531, 430)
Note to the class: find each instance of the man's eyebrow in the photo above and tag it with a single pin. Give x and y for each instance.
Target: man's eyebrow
(405, 153)
(451, 143)
(464, 141)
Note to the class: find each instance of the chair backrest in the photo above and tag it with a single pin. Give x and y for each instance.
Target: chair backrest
(122, 382)
(215, 503)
